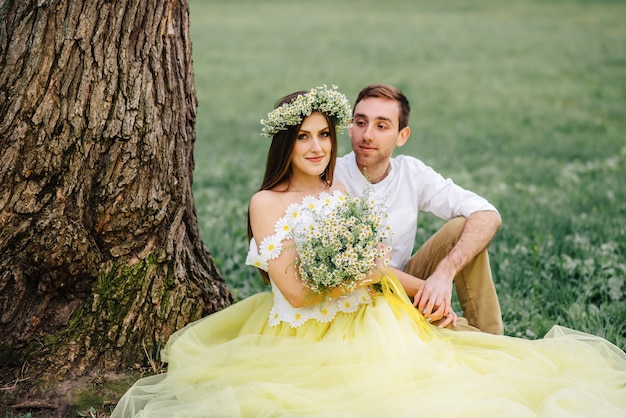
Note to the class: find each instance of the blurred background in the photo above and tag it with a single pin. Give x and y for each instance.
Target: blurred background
(522, 102)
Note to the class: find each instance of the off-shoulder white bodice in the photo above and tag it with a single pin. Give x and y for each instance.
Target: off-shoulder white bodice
(297, 218)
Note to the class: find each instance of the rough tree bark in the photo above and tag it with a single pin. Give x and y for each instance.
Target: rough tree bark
(100, 253)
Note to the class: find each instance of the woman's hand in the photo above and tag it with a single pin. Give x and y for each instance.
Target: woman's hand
(448, 320)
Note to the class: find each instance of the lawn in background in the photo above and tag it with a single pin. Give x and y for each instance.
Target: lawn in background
(522, 102)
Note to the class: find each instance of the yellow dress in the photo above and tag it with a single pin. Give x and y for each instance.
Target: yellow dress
(371, 354)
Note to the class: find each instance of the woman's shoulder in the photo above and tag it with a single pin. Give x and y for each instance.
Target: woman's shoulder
(266, 209)
(267, 203)
(264, 198)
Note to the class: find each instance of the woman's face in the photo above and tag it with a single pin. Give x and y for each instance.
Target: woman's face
(312, 149)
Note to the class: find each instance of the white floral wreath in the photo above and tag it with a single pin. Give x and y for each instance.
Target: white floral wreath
(321, 99)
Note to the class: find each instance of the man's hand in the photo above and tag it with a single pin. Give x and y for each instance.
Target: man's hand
(434, 297)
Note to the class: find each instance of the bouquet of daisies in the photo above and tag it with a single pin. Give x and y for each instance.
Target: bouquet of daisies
(339, 246)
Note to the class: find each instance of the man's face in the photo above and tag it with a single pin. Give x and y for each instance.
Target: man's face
(375, 131)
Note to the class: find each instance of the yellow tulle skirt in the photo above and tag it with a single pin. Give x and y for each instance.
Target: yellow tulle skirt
(384, 360)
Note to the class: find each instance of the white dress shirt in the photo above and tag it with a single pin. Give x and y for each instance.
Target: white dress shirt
(409, 187)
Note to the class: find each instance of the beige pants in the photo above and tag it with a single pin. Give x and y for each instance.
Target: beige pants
(474, 284)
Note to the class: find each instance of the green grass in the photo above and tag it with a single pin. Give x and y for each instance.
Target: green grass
(523, 102)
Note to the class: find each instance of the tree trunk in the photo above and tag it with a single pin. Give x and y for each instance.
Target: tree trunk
(100, 249)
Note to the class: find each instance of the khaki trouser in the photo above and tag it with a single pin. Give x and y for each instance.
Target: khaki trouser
(474, 284)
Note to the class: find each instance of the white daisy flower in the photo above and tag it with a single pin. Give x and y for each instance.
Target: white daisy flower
(256, 260)
(364, 298)
(327, 312)
(271, 247)
(292, 213)
(297, 319)
(310, 203)
(274, 318)
(348, 303)
(282, 228)
(326, 199)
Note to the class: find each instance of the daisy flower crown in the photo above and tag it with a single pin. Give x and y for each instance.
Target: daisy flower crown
(321, 99)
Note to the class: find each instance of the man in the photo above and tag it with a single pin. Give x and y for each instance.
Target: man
(456, 253)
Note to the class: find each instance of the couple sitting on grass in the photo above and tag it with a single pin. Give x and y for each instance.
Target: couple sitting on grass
(354, 325)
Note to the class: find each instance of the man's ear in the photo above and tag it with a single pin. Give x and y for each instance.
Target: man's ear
(350, 128)
(403, 136)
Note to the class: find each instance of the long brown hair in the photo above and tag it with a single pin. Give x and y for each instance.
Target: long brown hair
(278, 168)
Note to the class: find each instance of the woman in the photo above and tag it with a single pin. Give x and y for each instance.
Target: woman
(360, 350)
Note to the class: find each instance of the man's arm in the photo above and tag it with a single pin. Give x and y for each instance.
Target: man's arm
(434, 297)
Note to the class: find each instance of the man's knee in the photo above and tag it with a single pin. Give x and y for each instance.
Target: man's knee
(428, 256)
(454, 227)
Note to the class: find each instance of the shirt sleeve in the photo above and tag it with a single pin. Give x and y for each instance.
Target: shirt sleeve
(445, 199)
